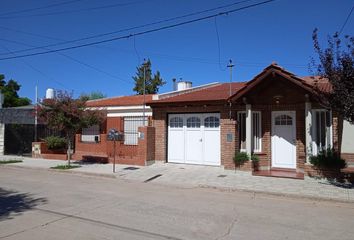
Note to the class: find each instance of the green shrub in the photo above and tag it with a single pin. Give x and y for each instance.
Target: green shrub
(240, 158)
(55, 143)
(329, 159)
(254, 158)
(65, 167)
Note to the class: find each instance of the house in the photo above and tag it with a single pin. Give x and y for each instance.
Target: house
(277, 116)
(126, 114)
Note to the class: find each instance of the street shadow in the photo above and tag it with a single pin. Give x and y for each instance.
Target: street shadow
(346, 185)
(13, 203)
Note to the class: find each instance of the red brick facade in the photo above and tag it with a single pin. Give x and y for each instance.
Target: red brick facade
(125, 154)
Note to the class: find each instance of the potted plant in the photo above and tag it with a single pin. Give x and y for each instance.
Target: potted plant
(255, 162)
(240, 158)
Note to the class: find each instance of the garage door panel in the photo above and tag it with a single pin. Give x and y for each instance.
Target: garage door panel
(194, 147)
(212, 147)
(176, 146)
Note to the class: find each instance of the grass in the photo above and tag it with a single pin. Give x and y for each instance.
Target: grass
(10, 161)
(65, 167)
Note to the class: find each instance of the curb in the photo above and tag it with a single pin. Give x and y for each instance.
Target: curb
(288, 195)
(105, 175)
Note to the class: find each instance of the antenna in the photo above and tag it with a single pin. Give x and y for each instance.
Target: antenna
(230, 65)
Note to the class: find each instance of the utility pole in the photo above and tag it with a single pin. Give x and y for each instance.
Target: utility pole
(144, 65)
(36, 113)
(230, 65)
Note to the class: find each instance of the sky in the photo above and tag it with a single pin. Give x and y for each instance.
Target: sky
(278, 31)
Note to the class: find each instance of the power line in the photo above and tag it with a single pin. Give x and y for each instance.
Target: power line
(40, 8)
(74, 11)
(346, 20)
(74, 60)
(135, 27)
(142, 32)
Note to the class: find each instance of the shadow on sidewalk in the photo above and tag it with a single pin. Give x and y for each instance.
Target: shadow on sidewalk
(13, 203)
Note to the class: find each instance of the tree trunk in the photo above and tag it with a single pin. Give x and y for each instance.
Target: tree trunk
(69, 151)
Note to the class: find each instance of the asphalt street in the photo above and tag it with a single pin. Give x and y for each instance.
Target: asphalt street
(41, 204)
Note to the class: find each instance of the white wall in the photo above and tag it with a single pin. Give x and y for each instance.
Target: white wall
(348, 138)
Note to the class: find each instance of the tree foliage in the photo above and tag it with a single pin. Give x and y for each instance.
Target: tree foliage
(152, 83)
(93, 95)
(10, 89)
(336, 63)
(68, 115)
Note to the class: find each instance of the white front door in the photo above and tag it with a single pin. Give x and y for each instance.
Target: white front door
(284, 139)
(194, 138)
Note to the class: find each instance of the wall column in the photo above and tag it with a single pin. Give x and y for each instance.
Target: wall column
(308, 132)
(248, 129)
(2, 138)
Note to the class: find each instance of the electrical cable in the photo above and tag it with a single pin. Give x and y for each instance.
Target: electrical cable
(346, 21)
(136, 27)
(142, 32)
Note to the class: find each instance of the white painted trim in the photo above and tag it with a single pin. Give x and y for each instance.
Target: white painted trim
(129, 114)
(260, 130)
(136, 107)
(248, 129)
(314, 128)
(308, 133)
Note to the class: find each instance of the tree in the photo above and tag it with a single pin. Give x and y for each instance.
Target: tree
(93, 95)
(10, 89)
(68, 115)
(152, 84)
(336, 63)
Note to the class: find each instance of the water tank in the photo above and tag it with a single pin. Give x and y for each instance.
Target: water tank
(50, 94)
(183, 85)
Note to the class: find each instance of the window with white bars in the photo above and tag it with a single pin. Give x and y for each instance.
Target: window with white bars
(321, 130)
(131, 125)
(90, 134)
(256, 131)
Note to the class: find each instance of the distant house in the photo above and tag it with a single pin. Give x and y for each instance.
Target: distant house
(124, 114)
(276, 116)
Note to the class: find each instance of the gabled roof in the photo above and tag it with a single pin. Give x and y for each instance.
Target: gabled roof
(133, 100)
(310, 84)
(217, 92)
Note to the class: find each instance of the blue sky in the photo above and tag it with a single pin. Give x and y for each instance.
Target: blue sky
(278, 31)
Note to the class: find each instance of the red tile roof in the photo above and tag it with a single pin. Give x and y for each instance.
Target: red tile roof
(322, 84)
(218, 92)
(119, 101)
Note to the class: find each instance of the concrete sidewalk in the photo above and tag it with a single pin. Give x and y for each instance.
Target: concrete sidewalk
(188, 176)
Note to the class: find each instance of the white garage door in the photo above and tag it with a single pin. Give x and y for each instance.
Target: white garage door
(194, 138)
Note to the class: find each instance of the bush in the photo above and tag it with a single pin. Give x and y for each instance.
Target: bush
(55, 143)
(240, 158)
(254, 158)
(329, 159)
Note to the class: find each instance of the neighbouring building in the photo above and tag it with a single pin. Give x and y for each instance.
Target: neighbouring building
(129, 116)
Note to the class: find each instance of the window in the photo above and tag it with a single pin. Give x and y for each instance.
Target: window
(193, 122)
(131, 125)
(321, 130)
(241, 119)
(90, 134)
(256, 131)
(176, 122)
(211, 122)
(283, 120)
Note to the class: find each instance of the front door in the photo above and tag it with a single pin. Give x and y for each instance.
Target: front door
(284, 139)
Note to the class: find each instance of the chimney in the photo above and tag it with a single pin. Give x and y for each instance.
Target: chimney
(174, 87)
(50, 93)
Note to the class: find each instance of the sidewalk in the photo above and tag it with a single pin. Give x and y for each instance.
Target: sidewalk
(181, 175)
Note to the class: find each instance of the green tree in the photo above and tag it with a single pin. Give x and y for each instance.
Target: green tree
(92, 96)
(10, 89)
(68, 115)
(152, 84)
(336, 63)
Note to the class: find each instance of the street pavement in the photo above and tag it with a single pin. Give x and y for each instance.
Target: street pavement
(37, 204)
(180, 175)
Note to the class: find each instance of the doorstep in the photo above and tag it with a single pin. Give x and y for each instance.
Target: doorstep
(280, 173)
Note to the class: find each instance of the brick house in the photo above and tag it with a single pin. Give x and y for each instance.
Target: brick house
(276, 116)
(129, 116)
